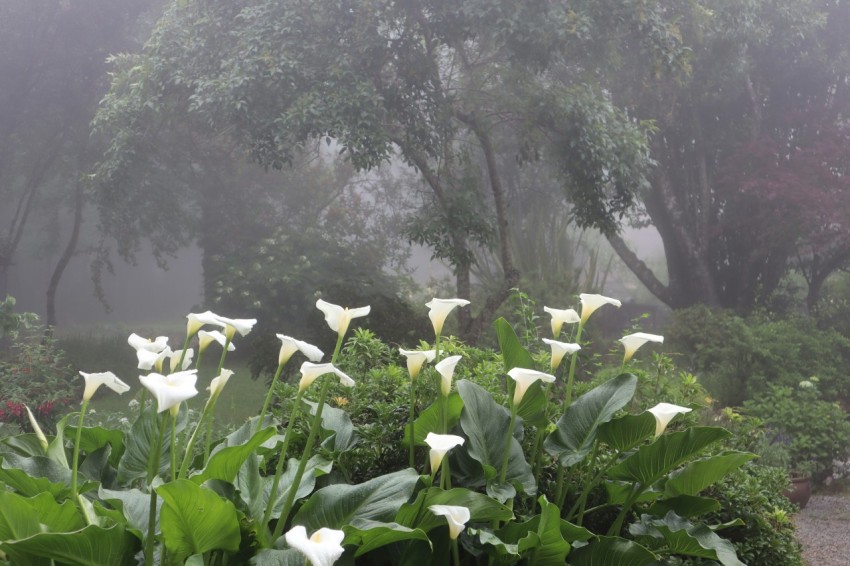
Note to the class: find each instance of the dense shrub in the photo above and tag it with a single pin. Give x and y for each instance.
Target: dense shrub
(739, 358)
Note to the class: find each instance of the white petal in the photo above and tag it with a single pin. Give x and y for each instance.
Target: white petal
(559, 350)
(589, 303)
(524, 378)
(169, 391)
(218, 383)
(561, 317)
(634, 341)
(310, 372)
(440, 309)
(289, 345)
(322, 549)
(37, 429)
(664, 413)
(416, 359)
(205, 338)
(457, 517)
(332, 313)
(446, 368)
(138, 343)
(95, 380)
(146, 359)
(196, 320)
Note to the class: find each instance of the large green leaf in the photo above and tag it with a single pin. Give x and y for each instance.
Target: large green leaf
(91, 546)
(26, 444)
(485, 424)
(683, 537)
(337, 505)
(513, 353)
(700, 474)
(134, 506)
(139, 443)
(368, 535)
(612, 551)
(626, 432)
(94, 438)
(37, 474)
(684, 506)
(652, 461)
(17, 520)
(274, 557)
(316, 466)
(429, 419)
(225, 463)
(619, 492)
(195, 520)
(572, 441)
(482, 509)
(337, 421)
(545, 545)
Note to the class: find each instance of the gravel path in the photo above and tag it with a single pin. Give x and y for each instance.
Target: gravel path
(823, 528)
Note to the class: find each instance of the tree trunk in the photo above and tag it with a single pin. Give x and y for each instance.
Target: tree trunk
(67, 254)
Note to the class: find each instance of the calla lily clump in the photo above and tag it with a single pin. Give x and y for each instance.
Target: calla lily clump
(472, 483)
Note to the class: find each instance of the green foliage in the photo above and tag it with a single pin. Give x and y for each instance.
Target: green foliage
(11, 322)
(815, 431)
(739, 358)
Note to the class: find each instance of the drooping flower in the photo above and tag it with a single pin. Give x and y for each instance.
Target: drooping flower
(559, 350)
(323, 548)
(217, 384)
(42, 440)
(174, 359)
(147, 351)
(107, 378)
(446, 368)
(524, 378)
(440, 444)
(634, 341)
(456, 515)
(233, 325)
(561, 317)
(664, 413)
(197, 320)
(205, 338)
(171, 390)
(310, 372)
(416, 359)
(440, 309)
(289, 345)
(338, 318)
(589, 303)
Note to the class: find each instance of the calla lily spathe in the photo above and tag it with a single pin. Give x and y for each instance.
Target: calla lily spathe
(446, 368)
(323, 548)
(205, 338)
(664, 413)
(217, 384)
(233, 325)
(289, 345)
(524, 378)
(416, 359)
(590, 302)
(561, 317)
(107, 378)
(559, 350)
(174, 359)
(39, 434)
(310, 372)
(171, 390)
(440, 444)
(634, 341)
(440, 309)
(195, 321)
(147, 351)
(338, 318)
(456, 515)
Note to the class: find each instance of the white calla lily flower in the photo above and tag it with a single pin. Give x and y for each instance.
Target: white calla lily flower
(634, 341)
(440, 444)
(289, 345)
(446, 368)
(174, 359)
(205, 338)
(456, 515)
(42, 440)
(338, 318)
(416, 359)
(147, 351)
(233, 325)
(310, 372)
(559, 350)
(590, 302)
(323, 548)
(440, 309)
(664, 413)
(217, 384)
(171, 390)
(195, 321)
(524, 378)
(561, 317)
(107, 378)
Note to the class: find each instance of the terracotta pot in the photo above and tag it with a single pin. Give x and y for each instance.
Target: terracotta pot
(800, 490)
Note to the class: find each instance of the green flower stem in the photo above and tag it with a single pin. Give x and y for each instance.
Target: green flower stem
(568, 394)
(580, 504)
(412, 460)
(560, 494)
(190, 447)
(537, 456)
(143, 398)
(153, 468)
(173, 445)
(183, 353)
(76, 461)
(281, 460)
(455, 553)
(617, 525)
(302, 464)
(198, 359)
(268, 400)
(503, 474)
